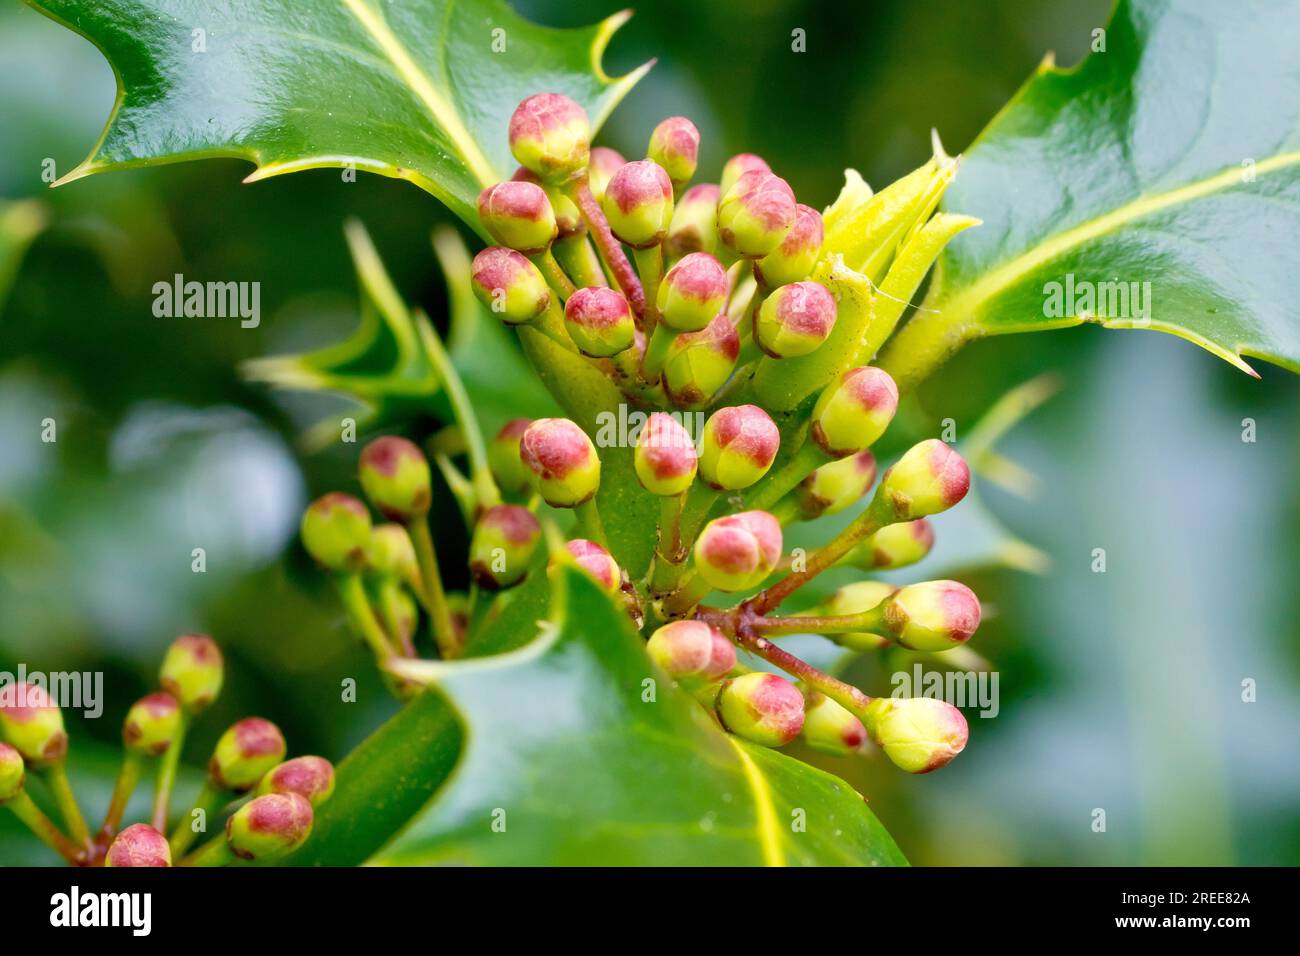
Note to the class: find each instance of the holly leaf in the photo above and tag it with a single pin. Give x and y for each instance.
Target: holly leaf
(419, 90)
(1156, 185)
(558, 753)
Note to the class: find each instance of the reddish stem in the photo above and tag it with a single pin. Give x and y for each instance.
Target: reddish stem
(611, 250)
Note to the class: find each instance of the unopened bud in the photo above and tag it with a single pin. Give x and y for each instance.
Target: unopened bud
(694, 227)
(931, 477)
(597, 562)
(762, 708)
(738, 551)
(675, 145)
(918, 734)
(834, 486)
(665, 458)
(599, 321)
(270, 826)
(605, 162)
(139, 845)
(693, 293)
(151, 724)
(933, 615)
(502, 547)
(830, 728)
(639, 204)
(737, 447)
(244, 753)
(519, 215)
(755, 214)
(798, 252)
(854, 599)
(737, 166)
(854, 410)
(309, 777)
(32, 723)
(509, 285)
(699, 363)
(193, 669)
(893, 546)
(795, 320)
(13, 772)
(508, 470)
(336, 532)
(395, 476)
(391, 553)
(568, 220)
(550, 135)
(563, 460)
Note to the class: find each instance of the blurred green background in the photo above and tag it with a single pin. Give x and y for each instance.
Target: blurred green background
(1120, 691)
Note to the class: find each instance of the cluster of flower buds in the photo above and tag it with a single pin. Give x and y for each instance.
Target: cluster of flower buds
(249, 756)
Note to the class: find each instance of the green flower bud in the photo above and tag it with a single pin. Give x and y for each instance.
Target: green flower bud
(193, 669)
(699, 363)
(139, 845)
(597, 562)
(798, 252)
(309, 777)
(550, 135)
(854, 410)
(639, 204)
(854, 599)
(833, 487)
(737, 552)
(931, 477)
(893, 546)
(737, 447)
(508, 284)
(830, 728)
(391, 554)
(518, 215)
(755, 214)
(694, 226)
(665, 457)
(693, 293)
(918, 734)
(562, 459)
(599, 321)
(675, 145)
(692, 652)
(395, 476)
(32, 723)
(151, 724)
(502, 547)
(244, 753)
(737, 166)
(933, 615)
(13, 772)
(762, 708)
(605, 162)
(511, 474)
(568, 220)
(795, 320)
(270, 826)
(336, 532)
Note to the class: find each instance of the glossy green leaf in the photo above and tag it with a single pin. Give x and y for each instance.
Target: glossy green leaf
(560, 759)
(418, 90)
(1171, 157)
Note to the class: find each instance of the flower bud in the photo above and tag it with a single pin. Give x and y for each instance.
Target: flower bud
(798, 252)
(795, 320)
(511, 474)
(309, 777)
(139, 845)
(509, 285)
(699, 363)
(550, 135)
(830, 728)
(605, 162)
(737, 447)
(854, 410)
(918, 734)
(737, 166)
(246, 751)
(854, 599)
(675, 145)
(693, 293)
(568, 220)
(32, 723)
(336, 532)
(269, 826)
(933, 615)
(738, 551)
(893, 546)
(13, 772)
(665, 456)
(502, 547)
(563, 460)
(391, 554)
(519, 215)
(694, 227)
(755, 214)
(682, 649)
(834, 486)
(599, 321)
(762, 708)
(193, 669)
(597, 562)
(151, 724)
(639, 204)
(395, 476)
(931, 477)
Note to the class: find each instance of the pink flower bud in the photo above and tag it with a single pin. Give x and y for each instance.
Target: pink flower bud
(269, 826)
(193, 669)
(919, 734)
(795, 320)
(830, 728)
(931, 477)
(694, 227)
(151, 724)
(605, 162)
(244, 753)
(139, 845)
(762, 708)
(639, 204)
(834, 486)
(395, 476)
(597, 562)
(568, 220)
(739, 551)
(599, 321)
(511, 474)
(32, 723)
(675, 145)
(309, 777)
(854, 410)
(518, 215)
(756, 213)
(683, 649)
(509, 285)
(550, 135)
(738, 447)
(502, 547)
(933, 615)
(665, 456)
(798, 252)
(563, 460)
(737, 166)
(699, 363)
(693, 292)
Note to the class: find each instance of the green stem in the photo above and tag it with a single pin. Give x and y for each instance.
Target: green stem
(778, 484)
(611, 251)
(166, 779)
(390, 609)
(216, 852)
(700, 500)
(45, 829)
(56, 776)
(670, 556)
(656, 353)
(127, 780)
(556, 277)
(209, 801)
(689, 593)
(435, 598)
(588, 515)
(871, 621)
(356, 604)
(579, 260)
(650, 267)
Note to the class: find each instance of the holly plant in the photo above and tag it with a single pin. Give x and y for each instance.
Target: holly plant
(709, 367)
